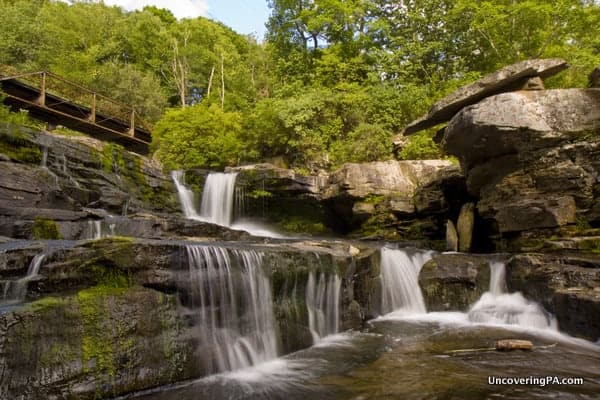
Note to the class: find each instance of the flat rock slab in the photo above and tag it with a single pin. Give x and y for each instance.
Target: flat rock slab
(509, 78)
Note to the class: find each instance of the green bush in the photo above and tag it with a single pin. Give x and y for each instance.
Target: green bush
(45, 228)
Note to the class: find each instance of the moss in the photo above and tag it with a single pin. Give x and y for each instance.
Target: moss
(299, 224)
(46, 303)
(44, 228)
(112, 158)
(15, 145)
(374, 199)
(259, 194)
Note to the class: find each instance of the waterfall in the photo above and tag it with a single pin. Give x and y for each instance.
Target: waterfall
(218, 198)
(15, 291)
(400, 280)
(44, 162)
(323, 304)
(186, 196)
(499, 307)
(233, 308)
(98, 229)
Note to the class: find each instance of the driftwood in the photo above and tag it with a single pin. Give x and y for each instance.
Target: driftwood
(502, 345)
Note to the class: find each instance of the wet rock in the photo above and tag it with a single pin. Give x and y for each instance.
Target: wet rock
(453, 282)
(465, 224)
(451, 236)
(509, 78)
(566, 285)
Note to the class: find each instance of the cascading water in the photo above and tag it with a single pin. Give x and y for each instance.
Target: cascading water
(232, 302)
(15, 291)
(186, 196)
(99, 229)
(323, 304)
(218, 198)
(400, 280)
(499, 307)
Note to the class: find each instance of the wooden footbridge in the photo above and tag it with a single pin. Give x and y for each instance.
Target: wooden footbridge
(58, 101)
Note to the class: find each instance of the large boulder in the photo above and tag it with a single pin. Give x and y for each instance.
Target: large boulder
(509, 78)
(453, 282)
(532, 159)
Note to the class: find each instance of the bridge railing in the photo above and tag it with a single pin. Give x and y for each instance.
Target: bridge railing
(55, 91)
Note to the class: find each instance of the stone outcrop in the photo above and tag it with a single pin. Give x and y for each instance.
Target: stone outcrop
(393, 199)
(73, 179)
(509, 78)
(531, 158)
(453, 282)
(567, 286)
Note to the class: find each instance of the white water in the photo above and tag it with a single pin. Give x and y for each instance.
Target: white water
(217, 198)
(186, 196)
(400, 280)
(233, 306)
(499, 307)
(323, 304)
(15, 291)
(99, 229)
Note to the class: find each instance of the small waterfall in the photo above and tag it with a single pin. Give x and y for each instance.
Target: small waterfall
(15, 291)
(323, 304)
(218, 198)
(186, 196)
(400, 280)
(499, 307)
(233, 308)
(44, 162)
(125, 208)
(98, 229)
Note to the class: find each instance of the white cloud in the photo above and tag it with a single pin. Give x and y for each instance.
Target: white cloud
(179, 8)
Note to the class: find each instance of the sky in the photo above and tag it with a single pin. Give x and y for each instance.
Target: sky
(243, 16)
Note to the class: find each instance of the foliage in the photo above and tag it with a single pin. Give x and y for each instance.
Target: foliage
(421, 147)
(198, 136)
(333, 83)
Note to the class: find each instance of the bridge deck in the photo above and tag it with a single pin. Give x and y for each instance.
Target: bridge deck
(117, 124)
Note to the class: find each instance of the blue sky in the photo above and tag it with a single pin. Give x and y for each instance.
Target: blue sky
(244, 16)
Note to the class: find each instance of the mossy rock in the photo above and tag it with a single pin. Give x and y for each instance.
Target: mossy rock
(45, 228)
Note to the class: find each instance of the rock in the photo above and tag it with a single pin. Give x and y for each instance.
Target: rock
(453, 282)
(530, 158)
(506, 79)
(466, 222)
(451, 237)
(535, 83)
(566, 285)
(594, 78)
(513, 344)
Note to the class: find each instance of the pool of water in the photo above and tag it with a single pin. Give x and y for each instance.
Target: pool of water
(410, 357)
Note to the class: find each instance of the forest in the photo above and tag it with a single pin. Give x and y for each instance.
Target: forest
(333, 81)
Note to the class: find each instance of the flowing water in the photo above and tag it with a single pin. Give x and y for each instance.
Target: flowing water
(15, 291)
(323, 304)
(221, 203)
(411, 354)
(400, 280)
(232, 306)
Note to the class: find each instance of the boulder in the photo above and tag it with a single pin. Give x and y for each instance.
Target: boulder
(465, 224)
(451, 236)
(453, 282)
(531, 158)
(509, 78)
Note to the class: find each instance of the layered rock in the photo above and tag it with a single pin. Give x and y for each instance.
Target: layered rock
(393, 199)
(531, 158)
(126, 312)
(567, 286)
(73, 179)
(523, 75)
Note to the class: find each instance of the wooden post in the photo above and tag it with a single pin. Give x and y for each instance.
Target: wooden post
(132, 124)
(93, 114)
(42, 99)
